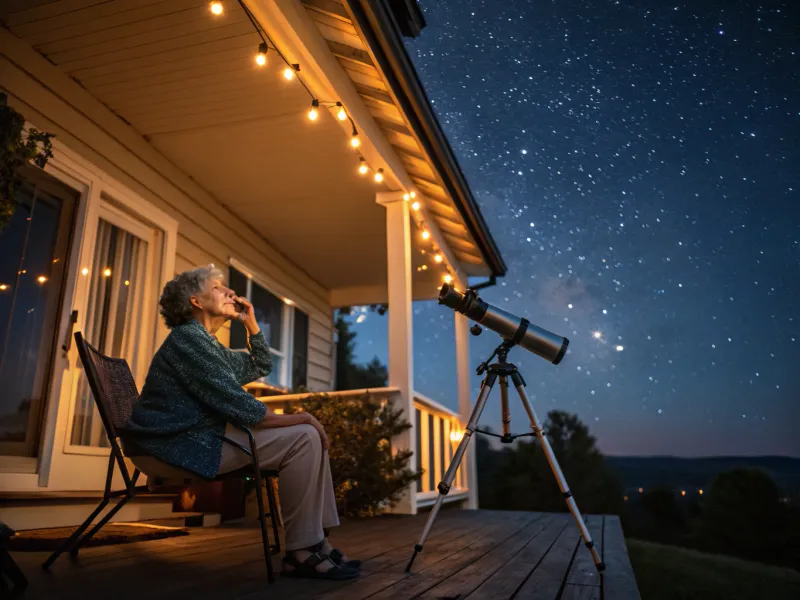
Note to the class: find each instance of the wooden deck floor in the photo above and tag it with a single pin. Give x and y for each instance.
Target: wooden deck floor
(478, 555)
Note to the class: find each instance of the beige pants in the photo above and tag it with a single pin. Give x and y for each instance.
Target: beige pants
(305, 486)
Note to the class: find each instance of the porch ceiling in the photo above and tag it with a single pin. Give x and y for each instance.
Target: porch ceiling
(189, 84)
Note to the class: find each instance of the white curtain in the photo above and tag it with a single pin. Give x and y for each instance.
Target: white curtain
(113, 317)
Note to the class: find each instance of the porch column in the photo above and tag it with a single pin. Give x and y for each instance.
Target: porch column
(465, 400)
(401, 356)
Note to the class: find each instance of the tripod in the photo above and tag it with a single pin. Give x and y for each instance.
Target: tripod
(504, 370)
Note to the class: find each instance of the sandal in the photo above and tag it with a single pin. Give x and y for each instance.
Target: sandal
(338, 559)
(308, 568)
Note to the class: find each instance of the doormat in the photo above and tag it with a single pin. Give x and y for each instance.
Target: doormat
(40, 540)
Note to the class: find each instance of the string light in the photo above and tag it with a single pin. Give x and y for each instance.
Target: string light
(41, 279)
(426, 234)
(363, 169)
(261, 57)
(415, 205)
(3, 287)
(354, 141)
(448, 278)
(84, 271)
(342, 114)
(379, 176)
(215, 8)
(107, 272)
(289, 72)
(314, 112)
(438, 258)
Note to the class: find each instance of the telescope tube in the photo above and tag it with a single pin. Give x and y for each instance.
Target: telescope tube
(541, 342)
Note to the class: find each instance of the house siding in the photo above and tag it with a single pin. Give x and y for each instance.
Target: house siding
(207, 232)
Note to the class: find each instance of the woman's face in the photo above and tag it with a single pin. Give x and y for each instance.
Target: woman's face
(217, 300)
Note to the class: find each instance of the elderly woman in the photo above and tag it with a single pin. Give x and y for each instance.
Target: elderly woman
(192, 395)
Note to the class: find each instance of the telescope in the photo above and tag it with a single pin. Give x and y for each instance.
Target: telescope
(517, 331)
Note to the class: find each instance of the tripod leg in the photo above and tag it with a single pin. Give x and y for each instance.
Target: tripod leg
(444, 485)
(554, 466)
(506, 415)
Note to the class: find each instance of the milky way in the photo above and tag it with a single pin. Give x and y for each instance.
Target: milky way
(639, 166)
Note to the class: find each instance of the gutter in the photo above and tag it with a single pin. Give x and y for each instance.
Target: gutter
(376, 23)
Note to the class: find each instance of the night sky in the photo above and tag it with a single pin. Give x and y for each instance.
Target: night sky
(639, 166)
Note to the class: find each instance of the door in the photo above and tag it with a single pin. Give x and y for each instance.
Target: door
(34, 246)
(116, 302)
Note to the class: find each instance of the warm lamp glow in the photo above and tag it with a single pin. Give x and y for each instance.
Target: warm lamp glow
(378, 175)
(127, 282)
(288, 73)
(314, 112)
(683, 492)
(41, 279)
(448, 278)
(415, 205)
(84, 271)
(341, 115)
(438, 258)
(456, 436)
(426, 235)
(215, 8)
(107, 272)
(288, 302)
(355, 142)
(413, 194)
(362, 167)
(406, 197)
(700, 492)
(261, 57)
(3, 287)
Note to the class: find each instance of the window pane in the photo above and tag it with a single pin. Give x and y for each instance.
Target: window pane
(116, 298)
(31, 267)
(300, 350)
(237, 281)
(269, 313)
(274, 377)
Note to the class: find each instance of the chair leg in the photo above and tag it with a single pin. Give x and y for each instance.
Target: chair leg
(75, 535)
(273, 513)
(123, 500)
(8, 567)
(262, 522)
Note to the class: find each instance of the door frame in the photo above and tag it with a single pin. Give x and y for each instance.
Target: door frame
(91, 182)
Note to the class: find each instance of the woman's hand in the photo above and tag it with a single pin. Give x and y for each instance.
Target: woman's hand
(248, 315)
(323, 437)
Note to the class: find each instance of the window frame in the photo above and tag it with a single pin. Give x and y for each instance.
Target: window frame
(286, 352)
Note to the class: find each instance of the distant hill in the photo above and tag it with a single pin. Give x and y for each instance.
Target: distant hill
(648, 471)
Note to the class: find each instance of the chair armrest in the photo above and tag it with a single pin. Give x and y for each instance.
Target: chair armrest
(253, 452)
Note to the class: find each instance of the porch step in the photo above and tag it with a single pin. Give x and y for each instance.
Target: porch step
(186, 519)
(25, 499)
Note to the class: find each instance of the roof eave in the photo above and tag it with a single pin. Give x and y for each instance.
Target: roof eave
(378, 27)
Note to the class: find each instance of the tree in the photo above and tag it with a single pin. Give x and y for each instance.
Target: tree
(349, 375)
(523, 479)
(742, 515)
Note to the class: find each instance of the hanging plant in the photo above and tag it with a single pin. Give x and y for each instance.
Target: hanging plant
(17, 149)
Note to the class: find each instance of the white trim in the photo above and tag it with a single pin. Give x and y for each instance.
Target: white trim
(434, 407)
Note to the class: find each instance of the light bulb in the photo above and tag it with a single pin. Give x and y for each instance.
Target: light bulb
(314, 113)
(3, 287)
(215, 8)
(448, 278)
(342, 115)
(288, 73)
(261, 57)
(41, 279)
(378, 175)
(84, 271)
(355, 142)
(438, 258)
(127, 282)
(413, 194)
(415, 205)
(362, 166)
(107, 272)
(426, 235)
(406, 197)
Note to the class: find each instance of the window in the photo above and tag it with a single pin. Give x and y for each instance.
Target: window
(285, 328)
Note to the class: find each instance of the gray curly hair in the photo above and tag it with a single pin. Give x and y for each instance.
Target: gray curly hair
(175, 305)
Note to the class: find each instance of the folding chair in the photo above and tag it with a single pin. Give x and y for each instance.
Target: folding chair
(116, 395)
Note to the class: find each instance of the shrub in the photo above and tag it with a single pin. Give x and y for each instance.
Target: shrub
(367, 478)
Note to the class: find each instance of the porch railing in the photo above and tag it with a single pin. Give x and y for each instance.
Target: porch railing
(439, 429)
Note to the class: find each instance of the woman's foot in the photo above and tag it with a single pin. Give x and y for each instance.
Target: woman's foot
(338, 557)
(315, 565)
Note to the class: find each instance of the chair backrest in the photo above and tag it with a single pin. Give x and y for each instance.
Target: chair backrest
(113, 388)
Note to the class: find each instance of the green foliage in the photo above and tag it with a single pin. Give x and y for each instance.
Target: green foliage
(743, 515)
(16, 151)
(367, 479)
(520, 478)
(349, 375)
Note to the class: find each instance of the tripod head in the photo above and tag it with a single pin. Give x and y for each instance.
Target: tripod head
(502, 354)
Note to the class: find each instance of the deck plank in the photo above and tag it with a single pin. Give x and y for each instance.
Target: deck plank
(479, 555)
(505, 582)
(545, 581)
(619, 581)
